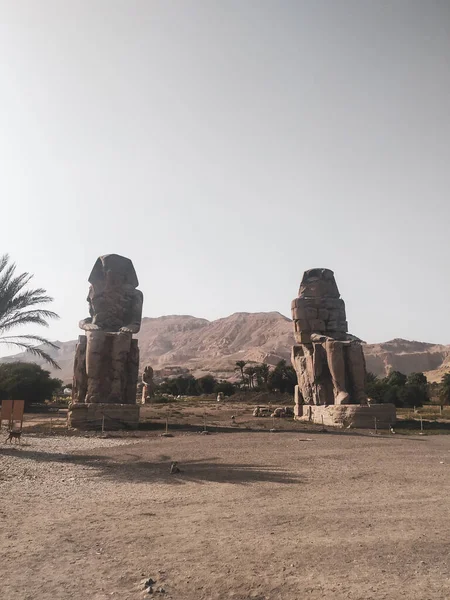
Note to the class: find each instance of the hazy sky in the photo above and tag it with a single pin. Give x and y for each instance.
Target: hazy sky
(225, 146)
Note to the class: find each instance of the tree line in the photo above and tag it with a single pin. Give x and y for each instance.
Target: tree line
(407, 390)
(19, 307)
(29, 382)
(253, 376)
(282, 378)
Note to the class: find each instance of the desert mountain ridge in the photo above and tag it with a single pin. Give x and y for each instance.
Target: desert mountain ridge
(182, 343)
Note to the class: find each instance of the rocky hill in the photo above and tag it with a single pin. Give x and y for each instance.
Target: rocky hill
(202, 346)
(408, 357)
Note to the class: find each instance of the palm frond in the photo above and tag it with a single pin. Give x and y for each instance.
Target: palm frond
(16, 310)
(4, 260)
(34, 338)
(10, 286)
(35, 317)
(11, 299)
(24, 342)
(16, 300)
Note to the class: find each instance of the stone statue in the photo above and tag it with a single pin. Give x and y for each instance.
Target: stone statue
(148, 389)
(115, 305)
(329, 362)
(107, 357)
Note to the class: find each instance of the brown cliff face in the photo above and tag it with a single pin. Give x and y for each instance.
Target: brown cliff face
(203, 346)
(408, 357)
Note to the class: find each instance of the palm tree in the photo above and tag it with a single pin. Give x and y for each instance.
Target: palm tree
(250, 372)
(264, 372)
(283, 377)
(17, 307)
(240, 364)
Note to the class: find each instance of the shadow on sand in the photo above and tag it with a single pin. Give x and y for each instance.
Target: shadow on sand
(130, 468)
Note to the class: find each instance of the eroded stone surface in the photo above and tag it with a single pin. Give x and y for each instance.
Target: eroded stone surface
(107, 357)
(329, 362)
(376, 416)
(109, 416)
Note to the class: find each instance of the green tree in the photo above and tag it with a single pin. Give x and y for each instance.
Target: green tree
(18, 307)
(417, 390)
(262, 374)
(206, 384)
(283, 378)
(240, 365)
(376, 388)
(26, 381)
(186, 386)
(417, 379)
(412, 395)
(179, 386)
(391, 395)
(226, 387)
(398, 389)
(250, 371)
(396, 379)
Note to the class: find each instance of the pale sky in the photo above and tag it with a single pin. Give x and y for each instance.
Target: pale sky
(225, 146)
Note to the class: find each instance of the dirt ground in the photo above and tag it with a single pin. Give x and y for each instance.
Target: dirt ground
(293, 514)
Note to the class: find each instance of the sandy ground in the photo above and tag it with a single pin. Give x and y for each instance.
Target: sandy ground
(286, 515)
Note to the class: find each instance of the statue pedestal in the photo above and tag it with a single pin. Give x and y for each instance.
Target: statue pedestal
(93, 415)
(347, 415)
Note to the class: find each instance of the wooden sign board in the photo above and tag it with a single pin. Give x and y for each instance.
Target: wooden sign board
(12, 411)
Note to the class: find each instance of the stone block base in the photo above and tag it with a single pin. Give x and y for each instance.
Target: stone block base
(347, 415)
(116, 416)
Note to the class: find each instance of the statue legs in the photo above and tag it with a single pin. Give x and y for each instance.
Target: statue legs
(357, 371)
(330, 372)
(321, 385)
(107, 358)
(336, 365)
(302, 361)
(79, 387)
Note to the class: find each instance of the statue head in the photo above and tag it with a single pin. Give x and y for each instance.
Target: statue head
(114, 302)
(113, 270)
(318, 283)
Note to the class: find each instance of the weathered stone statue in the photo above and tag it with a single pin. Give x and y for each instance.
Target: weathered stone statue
(148, 388)
(107, 357)
(329, 362)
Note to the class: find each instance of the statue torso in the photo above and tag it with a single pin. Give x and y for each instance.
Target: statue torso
(111, 309)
